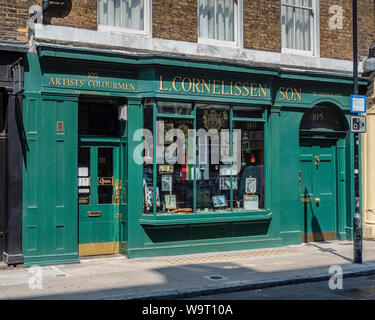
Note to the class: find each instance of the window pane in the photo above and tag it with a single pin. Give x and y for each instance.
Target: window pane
(248, 190)
(83, 176)
(206, 22)
(105, 175)
(296, 25)
(213, 154)
(133, 14)
(148, 160)
(175, 165)
(302, 30)
(122, 13)
(225, 20)
(98, 118)
(175, 108)
(247, 112)
(216, 19)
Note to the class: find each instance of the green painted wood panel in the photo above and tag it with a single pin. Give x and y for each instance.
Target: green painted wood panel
(103, 228)
(50, 210)
(318, 182)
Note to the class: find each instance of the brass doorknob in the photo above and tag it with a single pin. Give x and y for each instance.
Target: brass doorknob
(317, 200)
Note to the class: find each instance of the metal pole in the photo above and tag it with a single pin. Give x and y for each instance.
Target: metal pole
(357, 221)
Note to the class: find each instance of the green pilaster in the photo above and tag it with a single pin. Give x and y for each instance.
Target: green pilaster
(135, 177)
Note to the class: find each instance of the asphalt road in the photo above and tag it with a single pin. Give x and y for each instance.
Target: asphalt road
(360, 288)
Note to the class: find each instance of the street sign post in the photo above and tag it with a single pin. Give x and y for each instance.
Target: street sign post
(357, 106)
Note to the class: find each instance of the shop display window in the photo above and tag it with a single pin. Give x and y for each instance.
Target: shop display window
(206, 158)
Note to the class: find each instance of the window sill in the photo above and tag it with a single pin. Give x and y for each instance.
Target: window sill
(297, 52)
(218, 43)
(200, 218)
(112, 29)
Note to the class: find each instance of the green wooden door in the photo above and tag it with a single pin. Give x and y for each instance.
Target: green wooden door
(318, 189)
(98, 198)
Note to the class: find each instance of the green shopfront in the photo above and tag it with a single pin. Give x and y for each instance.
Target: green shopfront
(151, 155)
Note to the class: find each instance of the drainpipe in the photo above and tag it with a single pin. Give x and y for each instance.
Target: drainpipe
(45, 5)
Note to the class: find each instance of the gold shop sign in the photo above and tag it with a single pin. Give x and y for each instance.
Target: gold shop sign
(93, 82)
(290, 94)
(183, 84)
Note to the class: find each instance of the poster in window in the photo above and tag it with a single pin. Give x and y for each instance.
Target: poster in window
(219, 201)
(225, 183)
(166, 183)
(83, 182)
(250, 202)
(165, 168)
(83, 172)
(251, 185)
(170, 202)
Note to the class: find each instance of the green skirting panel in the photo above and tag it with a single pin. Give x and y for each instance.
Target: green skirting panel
(203, 247)
(47, 260)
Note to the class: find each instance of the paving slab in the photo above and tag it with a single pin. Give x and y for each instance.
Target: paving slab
(116, 277)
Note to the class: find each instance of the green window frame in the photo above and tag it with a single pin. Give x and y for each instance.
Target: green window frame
(260, 214)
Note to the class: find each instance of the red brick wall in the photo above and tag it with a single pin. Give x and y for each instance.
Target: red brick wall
(175, 20)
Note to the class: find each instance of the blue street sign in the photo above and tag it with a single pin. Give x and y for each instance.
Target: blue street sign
(357, 103)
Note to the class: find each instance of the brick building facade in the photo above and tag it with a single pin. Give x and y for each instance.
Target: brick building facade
(261, 23)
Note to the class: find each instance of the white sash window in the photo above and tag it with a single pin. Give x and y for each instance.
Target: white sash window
(129, 16)
(298, 26)
(218, 22)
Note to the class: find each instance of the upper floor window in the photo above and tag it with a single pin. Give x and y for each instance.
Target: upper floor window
(298, 26)
(218, 22)
(129, 16)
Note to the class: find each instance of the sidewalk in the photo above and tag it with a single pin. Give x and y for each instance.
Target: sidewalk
(186, 276)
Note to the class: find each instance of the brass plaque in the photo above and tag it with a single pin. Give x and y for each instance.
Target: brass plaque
(306, 200)
(94, 213)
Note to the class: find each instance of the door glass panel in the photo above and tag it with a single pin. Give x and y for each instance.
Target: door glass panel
(84, 176)
(105, 175)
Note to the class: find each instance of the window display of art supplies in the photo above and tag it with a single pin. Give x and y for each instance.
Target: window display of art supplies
(250, 200)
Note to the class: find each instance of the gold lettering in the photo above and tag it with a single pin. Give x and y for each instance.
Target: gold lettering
(244, 87)
(289, 89)
(223, 88)
(236, 85)
(252, 90)
(51, 81)
(132, 86)
(174, 83)
(92, 75)
(161, 84)
(183, 84)
(196, 84)
(214, 83)
(121, 85)
(58, 81)
(231, 88)
(281, 90)
(208, 86)
(298, 94)
(263, 90)
(82, 83)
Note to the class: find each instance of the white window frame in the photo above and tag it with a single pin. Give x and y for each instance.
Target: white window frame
(238, 23)
(314, 27)
(147, 31)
